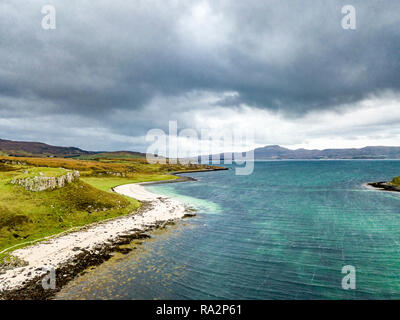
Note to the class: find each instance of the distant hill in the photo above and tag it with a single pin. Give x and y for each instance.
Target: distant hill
(275, 152)
(114, 155)
(39, 149)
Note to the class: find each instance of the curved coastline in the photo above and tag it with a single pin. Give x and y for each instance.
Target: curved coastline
(182, 178)
(72, 253)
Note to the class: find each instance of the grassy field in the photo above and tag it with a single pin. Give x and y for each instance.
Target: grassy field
(30, 172)
(106, 184)
(102, 167)
(26, 216)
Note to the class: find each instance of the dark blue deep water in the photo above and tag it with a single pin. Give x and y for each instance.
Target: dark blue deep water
(284, 232)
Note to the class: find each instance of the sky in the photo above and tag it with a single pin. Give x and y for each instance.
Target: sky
(282, 72)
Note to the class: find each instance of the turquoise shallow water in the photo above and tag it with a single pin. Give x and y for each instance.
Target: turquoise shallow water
(284, 232)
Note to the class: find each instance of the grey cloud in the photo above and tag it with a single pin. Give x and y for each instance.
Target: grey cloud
(104, 57)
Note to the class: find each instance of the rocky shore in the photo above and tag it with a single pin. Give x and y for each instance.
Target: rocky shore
(32, 289)
(72, 253)
(384, 185)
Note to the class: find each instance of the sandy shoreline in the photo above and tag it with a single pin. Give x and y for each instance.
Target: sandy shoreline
(71, 253)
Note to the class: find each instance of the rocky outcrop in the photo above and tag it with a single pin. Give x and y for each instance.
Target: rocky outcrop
(41, 183)
(384, 185)
(111, 173)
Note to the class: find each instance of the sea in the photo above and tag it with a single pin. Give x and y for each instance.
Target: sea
(290, 230)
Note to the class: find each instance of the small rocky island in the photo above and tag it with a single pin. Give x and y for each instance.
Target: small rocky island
(393, 185)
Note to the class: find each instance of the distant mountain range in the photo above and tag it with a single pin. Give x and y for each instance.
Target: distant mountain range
(275, 152)
(39, 149)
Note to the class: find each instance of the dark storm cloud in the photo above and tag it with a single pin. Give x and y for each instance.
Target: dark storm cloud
(314, 62)
(108, 56)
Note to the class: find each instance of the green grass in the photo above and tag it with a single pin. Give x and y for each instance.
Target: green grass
(6, 167)
(27, 216)
(42, 171)
(396, 181)
(131, 167)
(106, 183)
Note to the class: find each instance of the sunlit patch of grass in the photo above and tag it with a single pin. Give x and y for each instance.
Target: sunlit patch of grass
(42, 171)
(396, 181)
(107, 183)
(26, 216)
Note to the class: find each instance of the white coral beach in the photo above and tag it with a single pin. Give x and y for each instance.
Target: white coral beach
(63, 250)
